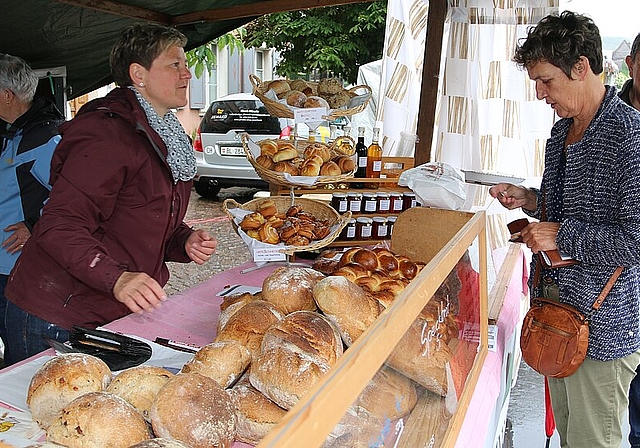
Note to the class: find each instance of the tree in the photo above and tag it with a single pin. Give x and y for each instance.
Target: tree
(332, 40)
(204, 56)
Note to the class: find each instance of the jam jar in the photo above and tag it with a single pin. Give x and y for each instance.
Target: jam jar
(364, 226)
(355, 202)
(384, 203)
(396, 202)
(391, 220)
(408, 200)
(369, 202)
(380, 230)
(349, 231)
(339, 202)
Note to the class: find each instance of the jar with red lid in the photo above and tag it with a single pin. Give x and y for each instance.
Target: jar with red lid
(396, 201)
(339, 202)
(369, 203)
(364, 227)
(380, 229)
(384, 202)
(408, 200)
(355, 202)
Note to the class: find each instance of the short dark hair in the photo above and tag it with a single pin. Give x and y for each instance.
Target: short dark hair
(141, 43)
(635, 46)
(561, 40)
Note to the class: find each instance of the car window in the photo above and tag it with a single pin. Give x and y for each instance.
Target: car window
(251, 116)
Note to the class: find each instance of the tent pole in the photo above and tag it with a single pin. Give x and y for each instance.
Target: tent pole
(430, 72)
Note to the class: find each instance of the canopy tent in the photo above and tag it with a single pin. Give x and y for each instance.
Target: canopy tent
(78, 34)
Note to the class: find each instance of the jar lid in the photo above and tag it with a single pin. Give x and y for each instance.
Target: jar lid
(353, 194)
(379, 219)
(382, 195)
(351, 221)
(392, 218)
(339, 195)
(364, 220)
(369, 195)
(409, 193)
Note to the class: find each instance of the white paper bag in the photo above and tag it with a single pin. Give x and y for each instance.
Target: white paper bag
(436, 185)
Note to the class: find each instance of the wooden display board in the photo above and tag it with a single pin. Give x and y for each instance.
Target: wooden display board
(313, 418)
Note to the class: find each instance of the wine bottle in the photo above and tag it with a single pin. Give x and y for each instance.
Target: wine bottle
(374, 159)
(361, 154)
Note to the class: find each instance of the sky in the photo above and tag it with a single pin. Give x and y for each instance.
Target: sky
(615, 18)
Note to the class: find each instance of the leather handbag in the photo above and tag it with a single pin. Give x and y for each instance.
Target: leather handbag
(555, 336)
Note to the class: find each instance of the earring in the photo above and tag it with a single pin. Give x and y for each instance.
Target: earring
(141, 84)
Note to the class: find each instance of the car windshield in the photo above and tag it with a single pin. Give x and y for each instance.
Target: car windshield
(250, 116)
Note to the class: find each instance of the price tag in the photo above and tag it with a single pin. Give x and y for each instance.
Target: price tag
(493, 338)
(268, 254)
(310, 115)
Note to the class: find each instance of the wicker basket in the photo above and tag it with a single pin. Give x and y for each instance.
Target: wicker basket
(277, 178)
(318, 209)
(282, 110)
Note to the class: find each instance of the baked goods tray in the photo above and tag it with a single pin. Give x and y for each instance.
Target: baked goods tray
(489, 178)
(360, 96)
(251, 148)
(319, 210)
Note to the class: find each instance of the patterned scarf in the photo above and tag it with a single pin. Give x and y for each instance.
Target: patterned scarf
(180, 157)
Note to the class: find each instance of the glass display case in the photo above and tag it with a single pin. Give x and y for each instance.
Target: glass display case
(408, 379)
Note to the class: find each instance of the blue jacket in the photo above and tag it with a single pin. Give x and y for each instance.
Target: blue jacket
(25, 160)
(596, 197)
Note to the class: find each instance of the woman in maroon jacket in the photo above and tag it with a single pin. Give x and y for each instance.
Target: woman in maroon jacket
(121, 179)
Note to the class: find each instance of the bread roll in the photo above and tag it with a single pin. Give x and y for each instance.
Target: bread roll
(257, 415)
(222, 361)
(286, 167)
(139, 386)
(98, 420)
(347, 305)
(296, 98)
(267, 208)
(346, 164)
(290, 288)
(160, 443)
(265, 161)
(252, 221)
(319, 149)
(248, 325)
(285, 153)
(329, 86)
(62, 379)
(330, 169)
(268, 147)
(298, 84)
(311, 166)
(315, 101)
(338, 100)
(268, 234)
(194, 409)
(280, 87)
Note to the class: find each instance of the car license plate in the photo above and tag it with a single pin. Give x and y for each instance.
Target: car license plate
(231, 151)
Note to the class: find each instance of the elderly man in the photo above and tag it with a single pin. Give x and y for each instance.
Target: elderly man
(630, 94)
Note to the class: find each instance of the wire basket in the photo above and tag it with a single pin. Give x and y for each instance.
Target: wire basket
(278, 178)
(282, 110)
(319, 210)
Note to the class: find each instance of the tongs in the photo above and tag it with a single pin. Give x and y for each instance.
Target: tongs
(116, 350)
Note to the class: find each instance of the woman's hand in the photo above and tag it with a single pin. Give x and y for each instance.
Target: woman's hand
(139, 292)
(514, 196)
(15, 241)
(200, 245)
(540, 236)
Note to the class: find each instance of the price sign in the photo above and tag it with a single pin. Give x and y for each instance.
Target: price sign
(268, 254)
(310, 115)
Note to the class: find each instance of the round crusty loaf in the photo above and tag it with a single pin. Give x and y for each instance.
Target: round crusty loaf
(347, 305)
(389, 395)
(290, 288)
(98, 420)
(62, 379)
(160, 443)
(257, 415)
(139, 386)
(222, 361)
(249, 323)
(194, 409)
(306, 332)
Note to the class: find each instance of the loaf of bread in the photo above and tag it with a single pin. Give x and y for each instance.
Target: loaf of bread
(256, 414)
(329, 86)
(296, 352)
(347, 305)
(357, 428)
(296, 98)
(316, 101)
(160, 443)
(248, 325)
(222, 361)
(280, 87)
(290, 289)
(98, 420)
(62, 379)
(139, 386)
(330, 168)
(389, 395)
(194, 409)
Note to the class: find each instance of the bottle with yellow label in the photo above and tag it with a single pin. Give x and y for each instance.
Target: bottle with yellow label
(374, 159)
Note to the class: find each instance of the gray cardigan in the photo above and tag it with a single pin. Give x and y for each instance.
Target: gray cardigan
(596, 197)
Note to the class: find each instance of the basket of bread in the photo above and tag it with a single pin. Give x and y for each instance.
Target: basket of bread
(282, 96)
(299, 162)
(305, 225)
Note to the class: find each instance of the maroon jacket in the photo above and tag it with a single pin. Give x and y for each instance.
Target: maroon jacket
(114, 206)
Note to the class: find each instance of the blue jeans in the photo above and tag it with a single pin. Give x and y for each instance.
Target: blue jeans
(26, 333)
(634, 411)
